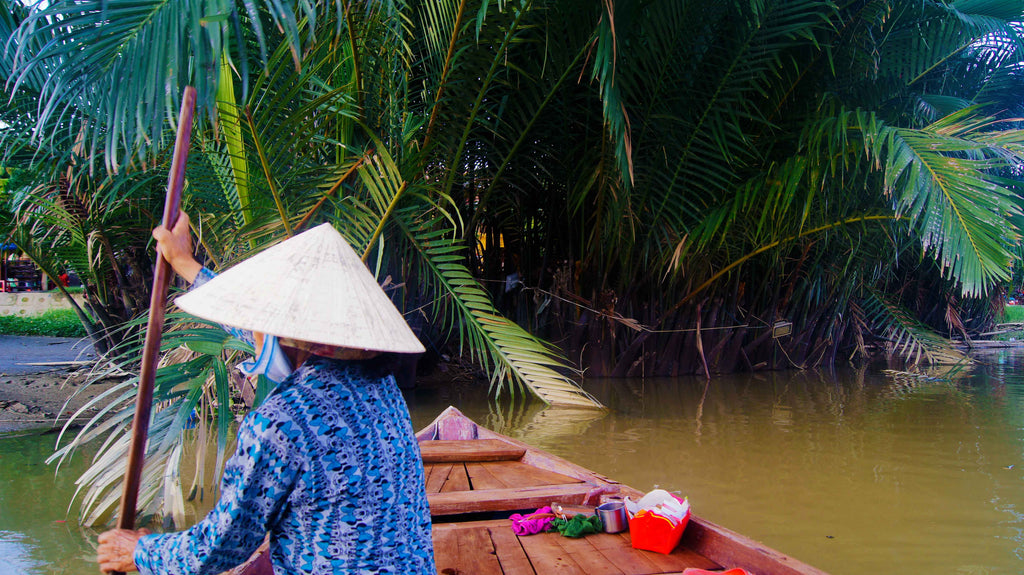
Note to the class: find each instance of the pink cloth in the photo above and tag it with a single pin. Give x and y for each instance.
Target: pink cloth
(734, 571)
(531, 524)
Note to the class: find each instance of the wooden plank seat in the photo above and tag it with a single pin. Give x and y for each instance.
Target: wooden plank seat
(491, 480)
(491, 548)
(509, 499)
(447, 451)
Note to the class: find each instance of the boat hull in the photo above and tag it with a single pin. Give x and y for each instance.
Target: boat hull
(476, 478)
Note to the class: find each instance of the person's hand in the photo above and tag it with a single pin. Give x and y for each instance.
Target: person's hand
(176, 248)
(117, 549)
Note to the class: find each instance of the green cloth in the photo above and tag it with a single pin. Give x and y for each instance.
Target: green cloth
(578, 526)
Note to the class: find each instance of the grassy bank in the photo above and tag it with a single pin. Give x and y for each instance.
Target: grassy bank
(56, 323)
(1012, 314)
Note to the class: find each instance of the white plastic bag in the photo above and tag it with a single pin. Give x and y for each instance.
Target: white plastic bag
(661, 502)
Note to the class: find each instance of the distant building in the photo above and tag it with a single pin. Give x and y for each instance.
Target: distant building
(17, 274)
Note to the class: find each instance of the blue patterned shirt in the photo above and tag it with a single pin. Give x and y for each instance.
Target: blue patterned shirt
(328, 465)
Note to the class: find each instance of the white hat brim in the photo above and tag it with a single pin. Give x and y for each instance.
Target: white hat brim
(312, 287)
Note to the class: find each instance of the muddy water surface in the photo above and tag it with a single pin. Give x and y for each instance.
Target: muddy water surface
(856, 472)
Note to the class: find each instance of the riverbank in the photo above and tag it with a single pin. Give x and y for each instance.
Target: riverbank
(41, 382)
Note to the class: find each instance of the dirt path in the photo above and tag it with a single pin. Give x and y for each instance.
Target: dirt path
(41, 381)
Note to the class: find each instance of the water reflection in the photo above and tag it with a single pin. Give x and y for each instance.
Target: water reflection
(17, 553)
(855, 471)
(37, 535)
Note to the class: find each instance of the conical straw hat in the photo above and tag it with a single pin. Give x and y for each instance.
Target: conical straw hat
(312, 287)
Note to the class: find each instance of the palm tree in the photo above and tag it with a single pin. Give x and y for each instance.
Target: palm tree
(65, 216)
(349, 70)
(770, 151)
(623, 178)
(332, 139)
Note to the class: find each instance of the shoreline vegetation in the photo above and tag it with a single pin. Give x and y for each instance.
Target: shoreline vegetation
(546, 190)
(43, 399)
(54, 322)
(1009, 325)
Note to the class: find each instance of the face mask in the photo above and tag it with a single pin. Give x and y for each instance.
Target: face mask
(271, 361)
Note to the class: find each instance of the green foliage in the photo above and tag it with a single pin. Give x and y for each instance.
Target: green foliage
(907, 335)
(1012, 314)
(192, 390)
(132, 61)
(337, 139)
(54, 322)
(850, 167)
(799, 157)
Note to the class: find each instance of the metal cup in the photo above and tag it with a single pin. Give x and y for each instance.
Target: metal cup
(613, 516)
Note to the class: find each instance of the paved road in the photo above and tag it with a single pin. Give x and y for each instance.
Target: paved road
(18, 352)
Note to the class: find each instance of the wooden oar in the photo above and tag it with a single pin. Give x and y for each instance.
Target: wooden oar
(154, 329)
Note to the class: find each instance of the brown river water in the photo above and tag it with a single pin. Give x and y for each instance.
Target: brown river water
(854, 472)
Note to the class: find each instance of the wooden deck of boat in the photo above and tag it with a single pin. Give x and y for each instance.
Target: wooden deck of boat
(491, 548)
(476, 478)
(487, 475)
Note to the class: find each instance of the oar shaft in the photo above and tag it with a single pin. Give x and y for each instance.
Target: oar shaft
(154, 329)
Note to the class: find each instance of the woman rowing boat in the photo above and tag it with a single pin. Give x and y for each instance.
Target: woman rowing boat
(327, 465)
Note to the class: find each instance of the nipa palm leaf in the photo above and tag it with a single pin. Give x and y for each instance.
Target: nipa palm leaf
(908, 337)
(513, 355)
(191, 383)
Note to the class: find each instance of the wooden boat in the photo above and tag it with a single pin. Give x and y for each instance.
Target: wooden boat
(472, 471)
(476, 478)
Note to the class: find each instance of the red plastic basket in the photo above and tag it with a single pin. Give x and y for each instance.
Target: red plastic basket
(656, 533)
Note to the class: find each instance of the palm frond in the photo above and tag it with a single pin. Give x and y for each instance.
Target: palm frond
(189, 384)
(514, 357)
(907, 337)
(95, 62)
(711, 148)
(943, 179)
